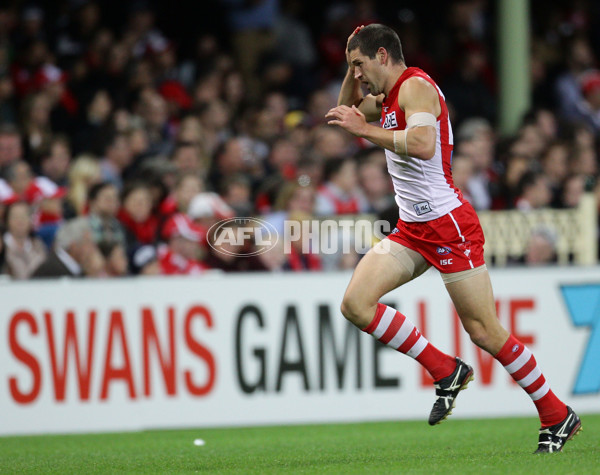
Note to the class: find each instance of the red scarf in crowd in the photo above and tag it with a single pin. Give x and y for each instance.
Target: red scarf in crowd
(144, 232)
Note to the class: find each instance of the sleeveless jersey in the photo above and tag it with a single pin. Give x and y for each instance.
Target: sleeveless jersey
(424, 188)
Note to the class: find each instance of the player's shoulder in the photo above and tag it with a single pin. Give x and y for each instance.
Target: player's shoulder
(419, 89)
(417, 84)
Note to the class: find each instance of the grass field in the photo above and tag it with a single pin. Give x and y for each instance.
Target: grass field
(457, 446)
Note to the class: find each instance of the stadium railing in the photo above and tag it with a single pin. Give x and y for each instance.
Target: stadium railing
(576, 231)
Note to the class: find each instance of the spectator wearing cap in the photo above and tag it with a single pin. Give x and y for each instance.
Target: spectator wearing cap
(74, 253)
(140, 225)
(104, 204)
(39, 191)
(340, 194)
(182, 251)
(24, 253)
(207, 208)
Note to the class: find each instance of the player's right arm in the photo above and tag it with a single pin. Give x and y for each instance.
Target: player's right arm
(351, 92)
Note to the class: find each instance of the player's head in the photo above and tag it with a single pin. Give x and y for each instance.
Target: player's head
(372, 37)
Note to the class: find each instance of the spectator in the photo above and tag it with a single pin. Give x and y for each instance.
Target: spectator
(555, 165)
(476, 140)
(84, 172)
(23, 253)
(104, 204)
(535, 192)
(301, 256)
(340, 193)
(74, 253)
(374, 182)
(117, 157)
(116, 264)
(541, 247)
(144, 261)
(181, 255)
(140, 225)
(462, 174)
(572, 191)
(237, 193)
(55, 162)
(11, 148)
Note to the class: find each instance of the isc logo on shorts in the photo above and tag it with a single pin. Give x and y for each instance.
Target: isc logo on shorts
(445, 262)
(390, 121)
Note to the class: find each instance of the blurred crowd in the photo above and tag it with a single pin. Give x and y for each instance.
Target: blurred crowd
(126, 133)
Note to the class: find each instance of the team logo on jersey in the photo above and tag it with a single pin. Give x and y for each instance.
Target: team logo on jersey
(466, 248)
(390, 121)
(442, 251)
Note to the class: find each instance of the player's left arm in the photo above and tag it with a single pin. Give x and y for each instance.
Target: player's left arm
(416, 96)
(420, 102)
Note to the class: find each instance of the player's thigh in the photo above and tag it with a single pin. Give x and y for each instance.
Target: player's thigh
(473, 299)
(385, 267)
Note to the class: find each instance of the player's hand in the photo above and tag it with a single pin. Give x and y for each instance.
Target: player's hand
(348, 118)
(356, 30)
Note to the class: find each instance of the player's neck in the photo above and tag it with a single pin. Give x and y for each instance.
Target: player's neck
(395, 72)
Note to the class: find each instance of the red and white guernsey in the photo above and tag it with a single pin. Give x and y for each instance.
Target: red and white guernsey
(424, 188)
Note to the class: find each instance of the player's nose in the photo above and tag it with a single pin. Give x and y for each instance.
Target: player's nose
(357, 73)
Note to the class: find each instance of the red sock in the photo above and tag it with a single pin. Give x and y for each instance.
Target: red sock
(394, 329)
(522, 366)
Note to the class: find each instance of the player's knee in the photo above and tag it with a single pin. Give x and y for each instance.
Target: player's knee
(480, 337)
(353, 309)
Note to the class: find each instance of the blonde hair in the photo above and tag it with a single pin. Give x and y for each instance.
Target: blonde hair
(84, 172)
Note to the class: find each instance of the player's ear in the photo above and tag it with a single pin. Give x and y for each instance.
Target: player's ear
(382, 55)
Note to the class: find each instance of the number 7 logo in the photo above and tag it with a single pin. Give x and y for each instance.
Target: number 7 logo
(583, 303)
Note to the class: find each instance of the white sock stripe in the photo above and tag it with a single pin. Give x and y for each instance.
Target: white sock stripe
(540, 393)
(417, 347)
(531, 377)
(403, 332)
(384, 323)
(517, 364)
